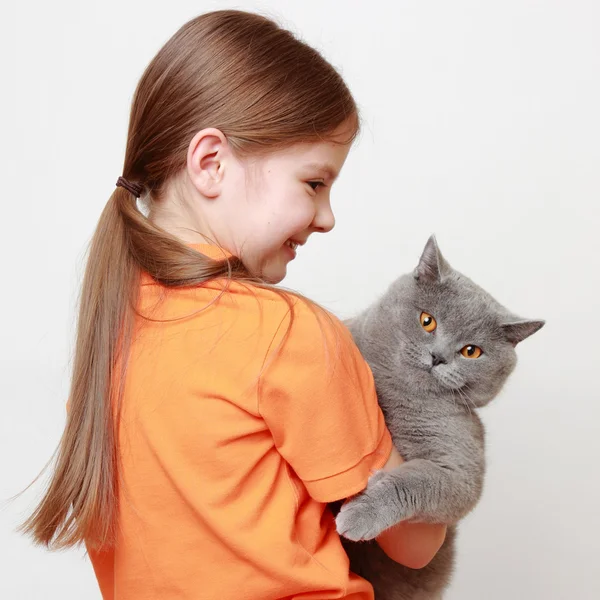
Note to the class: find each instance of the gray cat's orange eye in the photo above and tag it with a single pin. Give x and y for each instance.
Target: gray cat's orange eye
(428, 322)
(471, 351)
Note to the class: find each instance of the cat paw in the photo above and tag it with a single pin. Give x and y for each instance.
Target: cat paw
(366, 515)
(356, 522)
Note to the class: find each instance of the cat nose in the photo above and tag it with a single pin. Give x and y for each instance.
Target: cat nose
(438, 359)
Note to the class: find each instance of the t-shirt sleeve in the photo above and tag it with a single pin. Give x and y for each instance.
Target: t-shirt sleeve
(317, 396)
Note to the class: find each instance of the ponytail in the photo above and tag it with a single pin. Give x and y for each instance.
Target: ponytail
(81, 500)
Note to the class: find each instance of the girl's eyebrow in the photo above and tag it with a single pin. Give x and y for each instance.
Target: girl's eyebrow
(325, 168)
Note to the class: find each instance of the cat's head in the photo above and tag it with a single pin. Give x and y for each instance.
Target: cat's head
(449, 334)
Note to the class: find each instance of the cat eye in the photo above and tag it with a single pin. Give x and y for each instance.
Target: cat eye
(471, 351)
(428, 322)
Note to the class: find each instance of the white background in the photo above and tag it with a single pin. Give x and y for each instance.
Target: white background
(481, 125)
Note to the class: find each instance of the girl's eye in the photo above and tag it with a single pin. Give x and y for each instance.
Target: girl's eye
(471, 351)
(315, 184)
(428, 322)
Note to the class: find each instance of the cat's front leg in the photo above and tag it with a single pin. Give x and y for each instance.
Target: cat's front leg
(416, 489)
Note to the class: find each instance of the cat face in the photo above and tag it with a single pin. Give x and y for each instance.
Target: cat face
(448, 334)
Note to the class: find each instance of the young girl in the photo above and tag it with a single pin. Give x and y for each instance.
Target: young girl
(212, 416)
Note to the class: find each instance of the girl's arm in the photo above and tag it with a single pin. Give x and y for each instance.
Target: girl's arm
(411, 544)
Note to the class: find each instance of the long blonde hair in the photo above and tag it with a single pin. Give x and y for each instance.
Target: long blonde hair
(265, 90)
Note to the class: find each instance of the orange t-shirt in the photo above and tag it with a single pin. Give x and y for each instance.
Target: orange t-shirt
(231, 449)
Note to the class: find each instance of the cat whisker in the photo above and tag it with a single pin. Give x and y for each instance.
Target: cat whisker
(454, 401)
(453, 394)
(468, 402)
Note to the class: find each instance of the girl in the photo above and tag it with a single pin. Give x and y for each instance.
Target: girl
(212, 416)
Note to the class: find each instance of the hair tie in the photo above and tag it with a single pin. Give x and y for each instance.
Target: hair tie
(134, 188)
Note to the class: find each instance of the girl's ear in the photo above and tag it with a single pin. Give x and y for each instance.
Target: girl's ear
(205, 161)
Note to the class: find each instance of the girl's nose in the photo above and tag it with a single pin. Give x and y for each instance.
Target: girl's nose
(324, 220)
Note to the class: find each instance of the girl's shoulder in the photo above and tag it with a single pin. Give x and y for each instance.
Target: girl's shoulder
(298, 329)
(298, 313)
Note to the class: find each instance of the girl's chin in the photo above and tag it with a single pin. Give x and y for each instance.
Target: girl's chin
(274, 270)
(274, 275)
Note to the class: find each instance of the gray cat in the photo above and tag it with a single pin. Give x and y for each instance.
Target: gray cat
(439, 347)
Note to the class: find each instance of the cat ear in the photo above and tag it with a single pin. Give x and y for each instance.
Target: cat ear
(432, 266)
(517, 331)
